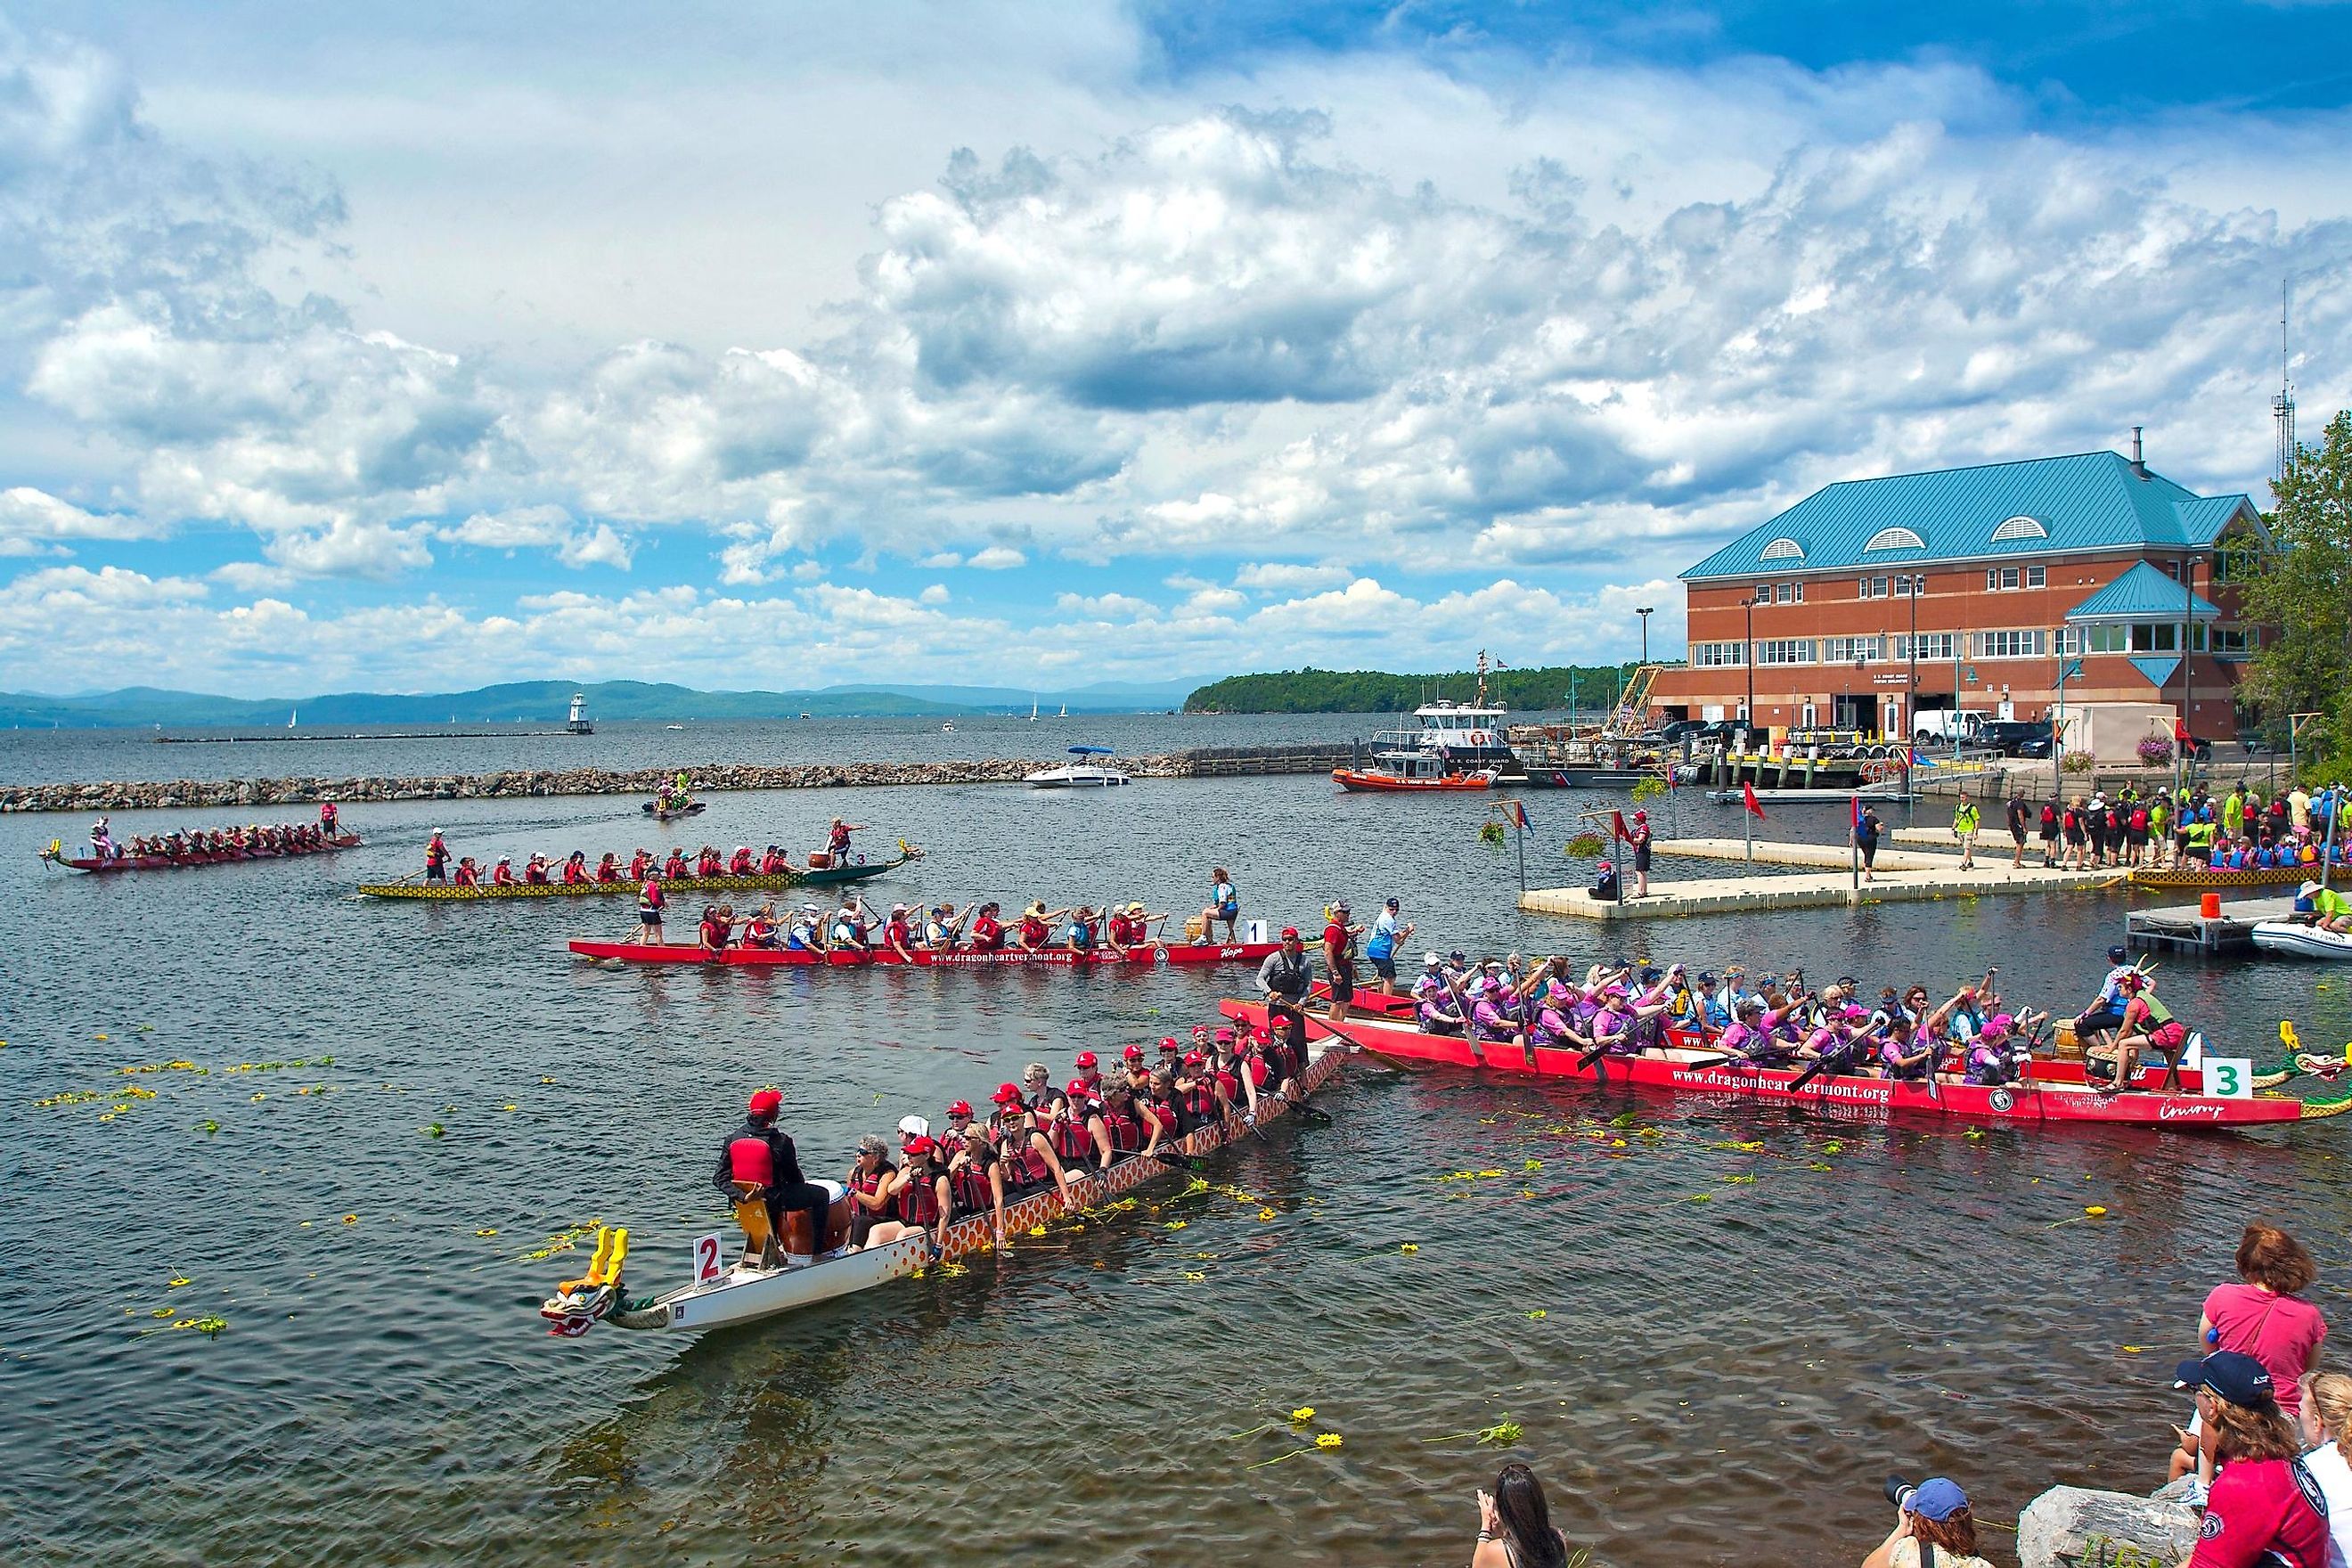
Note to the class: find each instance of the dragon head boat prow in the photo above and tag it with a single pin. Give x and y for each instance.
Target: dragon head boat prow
(579, 1304)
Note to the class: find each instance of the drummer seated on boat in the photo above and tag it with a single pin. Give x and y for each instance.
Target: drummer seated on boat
(503, 874)
(2329, 909)
(759, 930)
(760, 1172)
(898, 933)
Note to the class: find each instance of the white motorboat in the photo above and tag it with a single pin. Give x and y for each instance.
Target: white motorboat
(1084, 773)
(2301, 940)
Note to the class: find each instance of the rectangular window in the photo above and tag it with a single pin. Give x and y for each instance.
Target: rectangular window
(2070, 641)
(1992, 579)
(1933, 646)
(2037, 576)
(2159, 637)
(1865, 593)
(1780, 594)
(1798, 589)
(1763, 592)
(1714, 655)
(2235, 642)
(2009, 644)
(1850, 651)
(1785, 650)
(1878, 587)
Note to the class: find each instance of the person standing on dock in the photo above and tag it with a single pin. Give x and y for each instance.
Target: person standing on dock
(1965, 819)
(1640, 839)
(1867, 827)
(2019, 813)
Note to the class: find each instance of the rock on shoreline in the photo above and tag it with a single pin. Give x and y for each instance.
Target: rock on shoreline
(298, 790)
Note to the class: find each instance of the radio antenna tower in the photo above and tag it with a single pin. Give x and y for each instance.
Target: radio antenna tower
(2282, 406)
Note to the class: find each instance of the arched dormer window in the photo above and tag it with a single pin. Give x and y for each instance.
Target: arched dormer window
(1784, 549)
(1895, 538)
(2019, 527)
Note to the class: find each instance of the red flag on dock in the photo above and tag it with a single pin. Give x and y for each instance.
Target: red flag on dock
(1748, 798)
(1617, 829)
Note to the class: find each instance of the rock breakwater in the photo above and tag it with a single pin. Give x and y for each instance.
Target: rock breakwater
(711, 778)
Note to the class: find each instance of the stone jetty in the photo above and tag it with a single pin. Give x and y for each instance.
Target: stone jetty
(708, 779)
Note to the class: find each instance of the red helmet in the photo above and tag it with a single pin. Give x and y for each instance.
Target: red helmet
(767, 1101)
(1135, 1053)
(1086, 1058)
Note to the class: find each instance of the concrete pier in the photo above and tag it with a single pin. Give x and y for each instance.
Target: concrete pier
(1901, 876)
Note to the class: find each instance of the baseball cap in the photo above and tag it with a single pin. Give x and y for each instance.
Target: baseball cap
(1290, 933)
(913, 1127)
(1391, 903)
(1706, 977)
(2240, 1378)
(1077, 1086)
(1086, 1058)
(919, 1144)
(961, 1107)
(2000, 1024)
(767, 1102)
(1006, 1094)
(1936, 1498)
(1194, 1058)
(1224, 1037)
(2116, 954)
(1132, 1053)
(1428, 960)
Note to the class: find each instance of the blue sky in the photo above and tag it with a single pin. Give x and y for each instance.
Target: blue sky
(1033, 345)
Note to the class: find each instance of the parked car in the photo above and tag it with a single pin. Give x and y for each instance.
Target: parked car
(2016, 737)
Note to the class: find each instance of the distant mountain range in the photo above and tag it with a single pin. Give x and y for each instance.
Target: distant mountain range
(548, 702)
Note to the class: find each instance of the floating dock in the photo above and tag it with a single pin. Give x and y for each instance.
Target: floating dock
(1900, 877)
(2180, 928)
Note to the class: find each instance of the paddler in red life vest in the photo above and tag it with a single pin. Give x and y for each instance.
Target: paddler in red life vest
(503, 874)
(641, 863)
(1082, 1111)
(1134, 1071)
(468, 874)
(836, 839)
(870, 1175)
(759, 930)
(1027, 1164)
(575, 869)
(918, 1197)
(1036, 926)
(739, 863)
(717, 930)
(1129, 928)
(709, 862)
(958, 1121)
(436, 858)
(1129, 1127)
(897, 935)
(608, 870)
(534, 871)
(329, 824)
(1012, 1110)
(987, 930)
(1089, 1070)
(774, 863)
(760, 1172)
(675, 868)
(650, 903)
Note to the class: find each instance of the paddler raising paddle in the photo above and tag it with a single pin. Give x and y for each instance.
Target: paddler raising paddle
(761, 1174)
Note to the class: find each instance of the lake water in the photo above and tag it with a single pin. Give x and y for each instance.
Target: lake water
(1715, 1339)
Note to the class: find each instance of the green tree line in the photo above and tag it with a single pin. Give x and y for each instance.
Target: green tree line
(1376, 691)
(2301, 593)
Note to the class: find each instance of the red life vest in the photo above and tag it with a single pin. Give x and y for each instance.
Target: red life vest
(1033, 930)
(918, 1199)
(468, 876)
(741, 864)
(503, 877)
(638, 866)
(608, 872)
(1198, 1102)
(987, 935)
(536, 876)
(751, 1160)
(970, 1184)
(574, 873)
(675, 867)
(706, 865)
(1024, 1166)
(649, 900)
(869, 1181)
(1125, 1131)
(1071, 1141)
(771, 864)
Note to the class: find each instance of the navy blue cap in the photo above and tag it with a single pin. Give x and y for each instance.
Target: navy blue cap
(2240, 1378)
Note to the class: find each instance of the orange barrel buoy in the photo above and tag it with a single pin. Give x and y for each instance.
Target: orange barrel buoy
(2209, 906)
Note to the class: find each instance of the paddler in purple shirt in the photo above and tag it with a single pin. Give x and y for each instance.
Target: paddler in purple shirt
(1493, 1011)
(1743, 1037)
(1556, 1023)
(1434, 1008)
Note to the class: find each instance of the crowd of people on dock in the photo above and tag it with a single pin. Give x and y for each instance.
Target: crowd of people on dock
(217, 843)
(2161, 829)
(1035, 1137)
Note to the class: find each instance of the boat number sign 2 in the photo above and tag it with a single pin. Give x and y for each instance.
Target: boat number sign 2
(710, 1255)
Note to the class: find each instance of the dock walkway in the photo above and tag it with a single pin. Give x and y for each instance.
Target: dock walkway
(2180, 927)
(1902, 876)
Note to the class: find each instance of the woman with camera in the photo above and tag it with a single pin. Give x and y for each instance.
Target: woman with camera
(1515, 1528)
(1933, 1528)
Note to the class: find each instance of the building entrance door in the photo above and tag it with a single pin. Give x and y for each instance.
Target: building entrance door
(1853, 713)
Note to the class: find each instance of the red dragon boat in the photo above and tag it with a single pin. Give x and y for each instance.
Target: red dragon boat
(55, 854)
(1179, 954)
(1689, 1071)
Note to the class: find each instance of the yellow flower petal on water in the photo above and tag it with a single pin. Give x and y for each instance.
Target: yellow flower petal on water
(1036, 1230)
(2132, 1350)
(176, 1284)
(1174, 1224)
(164, 1312)
(1538, 1314)
(2094, 1210)
(102, 1036)
(1266, 1214)
(259, 1098)
(486, 1233)
(506, 1108)
(1303, 1414)
(1326, 1439)
(351, 1219)
(1409, 1247)
(1532, 1165)
(1490, 1172)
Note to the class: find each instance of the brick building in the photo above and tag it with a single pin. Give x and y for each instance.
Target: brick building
(1994, 577)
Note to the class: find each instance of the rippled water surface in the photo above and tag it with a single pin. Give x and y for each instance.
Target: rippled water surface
(1716, 1339)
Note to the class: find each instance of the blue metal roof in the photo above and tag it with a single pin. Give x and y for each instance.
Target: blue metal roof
(2142, 594)
(2092, 500)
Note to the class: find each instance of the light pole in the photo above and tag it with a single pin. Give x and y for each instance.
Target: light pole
(1911, 692)
(1646, 615)
(1748, 718)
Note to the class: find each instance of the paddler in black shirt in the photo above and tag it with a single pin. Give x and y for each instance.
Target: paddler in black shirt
(1284, 977)
(761, 1174)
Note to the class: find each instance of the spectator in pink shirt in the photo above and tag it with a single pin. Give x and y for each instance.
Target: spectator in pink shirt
(2263, 1316)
